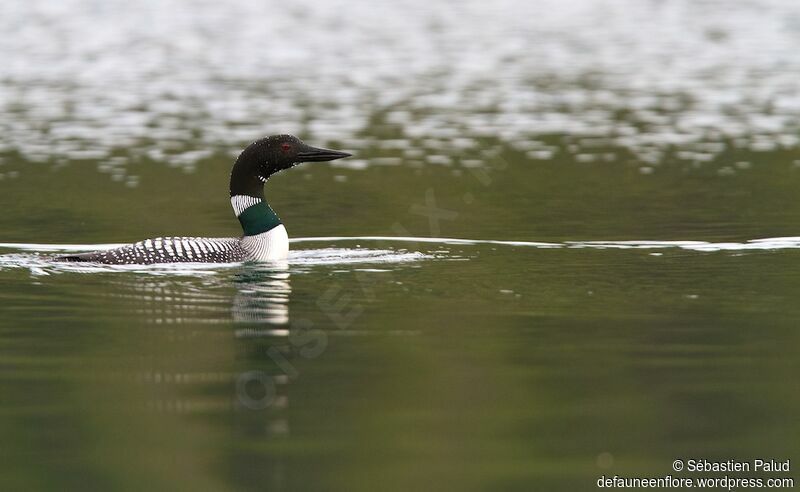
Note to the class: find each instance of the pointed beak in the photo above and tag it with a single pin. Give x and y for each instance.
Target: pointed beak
(314, 154)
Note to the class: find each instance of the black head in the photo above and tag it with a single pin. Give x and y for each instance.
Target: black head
(263, 158)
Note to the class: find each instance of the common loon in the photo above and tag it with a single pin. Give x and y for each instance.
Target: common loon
(264, 237)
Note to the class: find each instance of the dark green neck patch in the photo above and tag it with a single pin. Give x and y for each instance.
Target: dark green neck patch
(258, 218)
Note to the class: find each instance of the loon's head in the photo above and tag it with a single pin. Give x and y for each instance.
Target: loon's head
(263, 158)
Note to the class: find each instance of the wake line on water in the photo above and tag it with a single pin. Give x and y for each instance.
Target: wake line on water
(299, 259)
(752, 244)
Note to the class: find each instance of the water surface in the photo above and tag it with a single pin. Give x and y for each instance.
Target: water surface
(567, 245)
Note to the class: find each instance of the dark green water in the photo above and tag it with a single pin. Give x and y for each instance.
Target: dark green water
(640, 159)
(478, 366)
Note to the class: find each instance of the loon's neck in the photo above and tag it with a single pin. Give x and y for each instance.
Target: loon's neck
(254, 214)
(249, 173)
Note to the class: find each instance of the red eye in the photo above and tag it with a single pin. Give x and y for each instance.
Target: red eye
(285, 147)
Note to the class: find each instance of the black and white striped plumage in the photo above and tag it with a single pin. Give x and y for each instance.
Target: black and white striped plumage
(264, 238)
(169, 250)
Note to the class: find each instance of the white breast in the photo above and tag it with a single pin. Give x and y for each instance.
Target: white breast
(267, 246)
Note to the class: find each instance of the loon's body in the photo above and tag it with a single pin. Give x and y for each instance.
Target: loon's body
(264, 236)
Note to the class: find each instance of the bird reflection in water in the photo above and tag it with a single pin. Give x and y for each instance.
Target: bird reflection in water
(261, 309)
(207, 350)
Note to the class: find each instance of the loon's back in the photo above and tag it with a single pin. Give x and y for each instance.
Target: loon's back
(268, 246)
(168, 250)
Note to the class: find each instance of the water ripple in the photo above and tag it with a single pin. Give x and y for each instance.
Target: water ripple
(40, 264)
